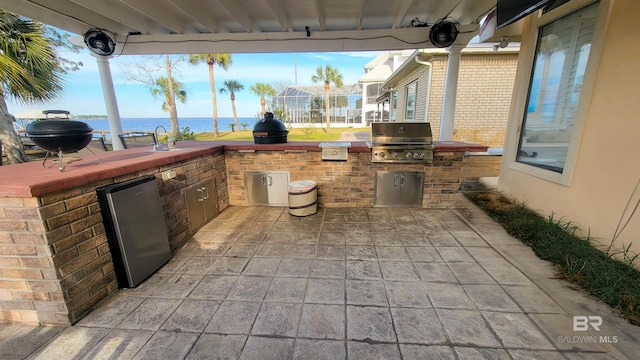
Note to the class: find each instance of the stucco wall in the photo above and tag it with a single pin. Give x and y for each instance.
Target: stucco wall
(607, 166)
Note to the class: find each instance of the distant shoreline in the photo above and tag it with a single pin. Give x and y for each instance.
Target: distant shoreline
(90, 116)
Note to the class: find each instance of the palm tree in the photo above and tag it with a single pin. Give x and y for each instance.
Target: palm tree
(328, 75)
(224, 61)
(29, 72)
(262, 90)
(232, 86)
(170, 96)
(161, 88)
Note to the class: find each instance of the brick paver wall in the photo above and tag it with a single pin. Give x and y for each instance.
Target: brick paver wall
(64, 231)
(351, 183)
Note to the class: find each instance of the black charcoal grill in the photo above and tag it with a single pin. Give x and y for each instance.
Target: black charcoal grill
(269, 130)
(61, 137)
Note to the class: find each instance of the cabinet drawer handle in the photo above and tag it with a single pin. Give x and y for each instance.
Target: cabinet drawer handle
(270, 180)
(200, 194)
(404, 180)
(395, 180)
(206, 192)
(262, 180)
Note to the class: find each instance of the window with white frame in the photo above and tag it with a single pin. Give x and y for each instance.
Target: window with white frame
(394, 106)
(411, 92)
(560, 62)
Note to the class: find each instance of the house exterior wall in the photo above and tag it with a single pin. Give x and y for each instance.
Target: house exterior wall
(422, 76)
(485, 86)
(605, 170)
(366, 107)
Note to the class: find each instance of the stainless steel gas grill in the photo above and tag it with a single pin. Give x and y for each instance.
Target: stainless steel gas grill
(401, 142)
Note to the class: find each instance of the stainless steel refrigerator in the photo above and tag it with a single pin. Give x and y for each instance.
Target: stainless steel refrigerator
(135, 227)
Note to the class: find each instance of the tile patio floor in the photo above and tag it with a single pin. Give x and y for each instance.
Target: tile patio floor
(382, 283)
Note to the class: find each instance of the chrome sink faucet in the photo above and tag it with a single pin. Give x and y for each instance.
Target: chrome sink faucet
(157, 146)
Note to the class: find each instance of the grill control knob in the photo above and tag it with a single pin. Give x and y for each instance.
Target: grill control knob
(381, 154)
(421, 155)
(415, 155)
(408, 155)
(394, 154)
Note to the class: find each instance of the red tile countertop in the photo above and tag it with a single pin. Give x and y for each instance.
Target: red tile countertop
(32, 179)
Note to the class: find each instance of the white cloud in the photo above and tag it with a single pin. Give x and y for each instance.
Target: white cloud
(363, 54)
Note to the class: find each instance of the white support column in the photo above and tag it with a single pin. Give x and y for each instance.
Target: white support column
(111, 103)
(450, 90)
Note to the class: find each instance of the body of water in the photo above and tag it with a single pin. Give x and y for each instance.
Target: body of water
(195, 125)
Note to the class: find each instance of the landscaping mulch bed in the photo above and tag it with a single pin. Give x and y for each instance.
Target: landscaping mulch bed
(611, 277)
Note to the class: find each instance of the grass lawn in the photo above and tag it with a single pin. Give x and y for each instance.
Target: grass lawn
(295, 134)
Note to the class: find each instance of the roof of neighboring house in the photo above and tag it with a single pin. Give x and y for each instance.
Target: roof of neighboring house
(378, 74)
(378, 60)
(380, 68)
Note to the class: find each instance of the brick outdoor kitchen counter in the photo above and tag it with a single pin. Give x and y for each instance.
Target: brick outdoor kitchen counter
(55, 262)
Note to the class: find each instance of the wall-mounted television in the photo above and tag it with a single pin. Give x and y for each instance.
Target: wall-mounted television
(510, 11)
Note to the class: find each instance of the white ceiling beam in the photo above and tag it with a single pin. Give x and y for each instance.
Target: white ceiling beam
(201, 14)
(401, 12)
(166, 14)
(321, 14)
(115, 10)
(241, 16)
(71, 11)
(474, 11)
(321, 41)
(444, 10)
(281, 15)
(360, 6)
(45, 15)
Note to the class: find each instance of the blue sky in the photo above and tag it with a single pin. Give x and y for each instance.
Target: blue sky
(83, 91)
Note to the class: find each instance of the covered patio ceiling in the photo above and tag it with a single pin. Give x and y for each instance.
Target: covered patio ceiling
(255, 26)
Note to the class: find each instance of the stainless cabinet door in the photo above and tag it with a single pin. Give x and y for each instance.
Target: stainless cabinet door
(386, 188)
(194, 198)
(256, 187)
(210, 200)
(411, 188)
(278, 188)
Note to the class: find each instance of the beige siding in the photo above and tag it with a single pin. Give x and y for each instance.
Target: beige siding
(421, 75)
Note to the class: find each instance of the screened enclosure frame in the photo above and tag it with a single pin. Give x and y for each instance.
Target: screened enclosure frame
(306, 104)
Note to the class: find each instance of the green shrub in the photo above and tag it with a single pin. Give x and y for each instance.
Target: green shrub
(603, 275)
(186, 134)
